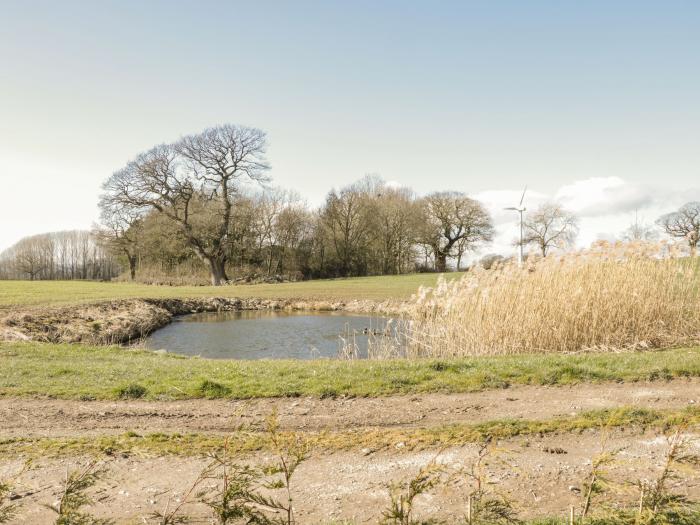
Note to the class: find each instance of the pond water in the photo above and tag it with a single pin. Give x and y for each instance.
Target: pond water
(264, 334)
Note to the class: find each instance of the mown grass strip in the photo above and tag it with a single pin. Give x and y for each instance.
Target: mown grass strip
(84, 372)
(164, 444)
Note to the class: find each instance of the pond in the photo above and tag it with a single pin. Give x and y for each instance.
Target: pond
(265, 334)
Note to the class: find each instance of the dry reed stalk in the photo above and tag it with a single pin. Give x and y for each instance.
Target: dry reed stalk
(608, 298)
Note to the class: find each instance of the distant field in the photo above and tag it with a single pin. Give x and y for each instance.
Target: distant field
(25, 293)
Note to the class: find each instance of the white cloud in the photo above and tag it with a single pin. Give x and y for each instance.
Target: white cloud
(496, 202)
(603, 196)
(394, 184)
(606, 206)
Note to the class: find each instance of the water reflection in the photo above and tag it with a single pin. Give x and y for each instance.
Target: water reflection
(255, 334)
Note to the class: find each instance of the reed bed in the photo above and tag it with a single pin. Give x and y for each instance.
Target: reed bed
(607, 298)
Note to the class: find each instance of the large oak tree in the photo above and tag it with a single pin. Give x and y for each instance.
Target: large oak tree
(193, 183)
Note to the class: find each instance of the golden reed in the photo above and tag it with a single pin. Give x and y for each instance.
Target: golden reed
(611, 297)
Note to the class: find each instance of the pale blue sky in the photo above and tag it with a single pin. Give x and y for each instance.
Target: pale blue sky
(481, 97)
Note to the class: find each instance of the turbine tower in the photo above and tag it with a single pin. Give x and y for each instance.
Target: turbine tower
(520, 209)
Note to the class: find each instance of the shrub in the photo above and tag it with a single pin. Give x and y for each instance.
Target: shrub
(491, 261)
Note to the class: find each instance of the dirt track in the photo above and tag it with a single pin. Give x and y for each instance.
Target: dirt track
(59, 418)
(541, 474)
(352, 487)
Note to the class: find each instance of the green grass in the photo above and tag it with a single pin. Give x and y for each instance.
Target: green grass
(78, 371)
(31, 293)
(159, 444)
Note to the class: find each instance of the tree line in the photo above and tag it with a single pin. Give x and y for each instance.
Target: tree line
(190, 203)
(62, 255)
(204, 206)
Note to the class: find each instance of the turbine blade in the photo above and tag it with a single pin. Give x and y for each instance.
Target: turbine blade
(522, 198)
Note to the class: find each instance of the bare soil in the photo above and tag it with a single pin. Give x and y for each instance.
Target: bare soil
(541, 474)
(23, 417)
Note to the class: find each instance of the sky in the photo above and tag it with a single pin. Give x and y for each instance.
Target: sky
(595, 104)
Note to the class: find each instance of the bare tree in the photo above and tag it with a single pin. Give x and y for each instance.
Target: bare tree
(453, 219)
(683, 224)
(268, 207)
(292, 228)
(346, 223)
(639, 231)
(28, 257)
(193, 183)
(57, 255)
(119, 231)
(550, 226)
(394, 218)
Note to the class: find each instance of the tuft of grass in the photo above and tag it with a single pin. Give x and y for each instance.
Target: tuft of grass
(7, 508)
(39, 369)
(212, 389)
(132, 391)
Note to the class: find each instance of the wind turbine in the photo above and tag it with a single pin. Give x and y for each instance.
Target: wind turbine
(520, 209)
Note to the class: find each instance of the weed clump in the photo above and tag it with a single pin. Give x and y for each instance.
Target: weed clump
(69, 506)
(7, 509)
(242, 493)
(402, 498)
(132, 391)
(212, 389)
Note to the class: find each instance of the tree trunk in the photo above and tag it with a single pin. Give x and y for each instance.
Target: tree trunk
(217, 269)
(441, 262)
(132, 266)
(269, 262)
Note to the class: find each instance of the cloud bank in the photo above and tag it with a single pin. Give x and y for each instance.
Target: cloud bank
(606, 206)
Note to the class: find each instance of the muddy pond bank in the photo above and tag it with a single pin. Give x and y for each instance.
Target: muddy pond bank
(128, 320)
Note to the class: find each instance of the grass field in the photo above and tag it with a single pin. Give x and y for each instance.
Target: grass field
(31, 293)
(77, 371)
(82, 372)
